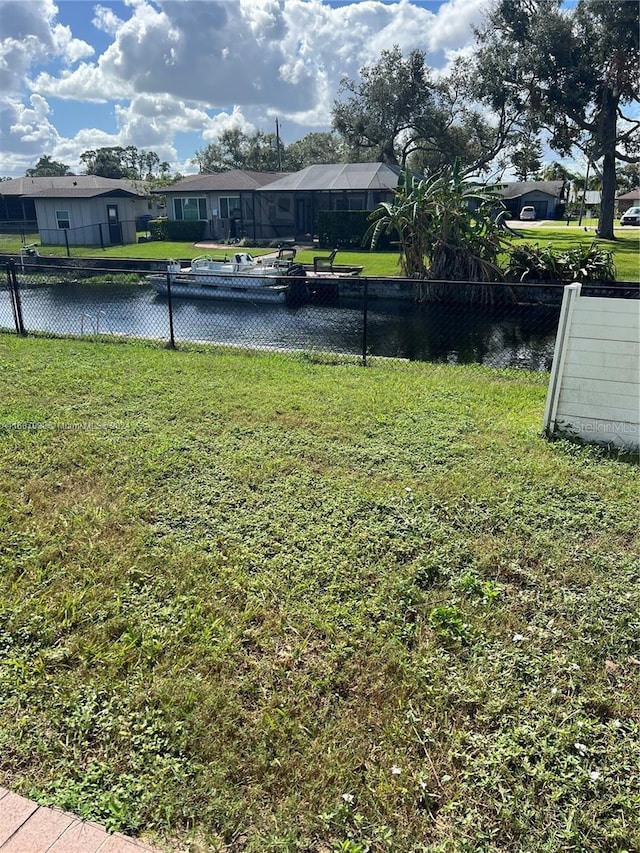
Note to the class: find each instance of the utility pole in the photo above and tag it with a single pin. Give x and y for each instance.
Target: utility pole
(278, 146)
(584, 192)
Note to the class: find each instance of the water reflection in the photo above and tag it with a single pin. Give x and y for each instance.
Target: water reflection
(523, 336)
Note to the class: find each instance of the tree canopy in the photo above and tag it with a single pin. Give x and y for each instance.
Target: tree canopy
(571, 70)
(260, 152)
(118, 162)
(383, 106)
(265, 152)
(396, 113)
(47, 168)
(312, 149)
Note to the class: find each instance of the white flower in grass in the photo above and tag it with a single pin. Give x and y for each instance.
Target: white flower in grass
(581, 747)
(395, 770)
(348, 798)
(595, 775)
(518, 638)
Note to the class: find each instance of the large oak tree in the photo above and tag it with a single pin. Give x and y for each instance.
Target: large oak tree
(397, 113)
(573, 70)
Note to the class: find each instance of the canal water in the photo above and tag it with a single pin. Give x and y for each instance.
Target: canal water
(522, 336)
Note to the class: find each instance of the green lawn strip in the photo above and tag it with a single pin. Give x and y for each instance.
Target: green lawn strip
(255, 601)
(625, 250)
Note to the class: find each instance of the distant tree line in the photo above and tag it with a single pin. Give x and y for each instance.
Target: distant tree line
(109, 162)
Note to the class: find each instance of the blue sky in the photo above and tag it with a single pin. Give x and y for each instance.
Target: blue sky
(171, 75)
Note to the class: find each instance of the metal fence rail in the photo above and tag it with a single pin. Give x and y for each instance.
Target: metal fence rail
(506, 328)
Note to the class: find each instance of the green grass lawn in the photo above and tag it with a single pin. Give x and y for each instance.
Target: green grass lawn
(255, 602)
(626, 249)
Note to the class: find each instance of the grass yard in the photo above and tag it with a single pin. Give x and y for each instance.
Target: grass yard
(625, 250)
(259, 603)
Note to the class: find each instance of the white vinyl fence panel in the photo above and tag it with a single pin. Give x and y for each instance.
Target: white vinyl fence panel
(595, 378)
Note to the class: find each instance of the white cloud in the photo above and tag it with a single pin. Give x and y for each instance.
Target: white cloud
(280, 56)
(68, 48)
(87, 83)
(235, 120)
(27, 132)
(453, 25)
(106, 20)
(29, 35)
(180, 66)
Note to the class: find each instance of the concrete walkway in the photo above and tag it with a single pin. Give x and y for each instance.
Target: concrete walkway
(26, 827)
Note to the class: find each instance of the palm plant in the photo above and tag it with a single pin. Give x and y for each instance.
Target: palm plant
(447, 229)
(408, 217)
(467, 234)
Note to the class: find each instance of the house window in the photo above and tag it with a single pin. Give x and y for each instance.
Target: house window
(63, 219)
(229, 207)
(190, 208)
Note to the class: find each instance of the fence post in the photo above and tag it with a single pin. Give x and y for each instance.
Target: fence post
(66, 241)
(14, 295)
(365, 309)
(11, 299)
(172, 342)
(101, 236)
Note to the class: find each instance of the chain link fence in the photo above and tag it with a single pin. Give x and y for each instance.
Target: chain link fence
(502, 326)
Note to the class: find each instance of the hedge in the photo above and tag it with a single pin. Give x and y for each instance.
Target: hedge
(342, 229)
(176, 229)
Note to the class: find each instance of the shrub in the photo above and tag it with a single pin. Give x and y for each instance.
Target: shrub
(583, 264)
(176, 229)
(158, 228)
(587, 263)
(531, 263)
(345, 229)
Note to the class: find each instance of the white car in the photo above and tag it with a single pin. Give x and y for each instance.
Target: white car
(631, 216)
(528, 212)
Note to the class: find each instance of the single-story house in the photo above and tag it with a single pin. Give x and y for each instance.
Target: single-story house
(17, 210)
(623, 202)
(275, 205)
(223, 201)
(299, 197)
(79, 209)
(545, 196)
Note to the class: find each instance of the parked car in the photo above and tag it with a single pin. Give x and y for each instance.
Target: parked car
(528, 212)
(631, 216)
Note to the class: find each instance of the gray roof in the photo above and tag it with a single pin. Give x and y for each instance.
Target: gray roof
(552, 188)
(632, 195)
(234, 180)
(340, 176)
(70, 186)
